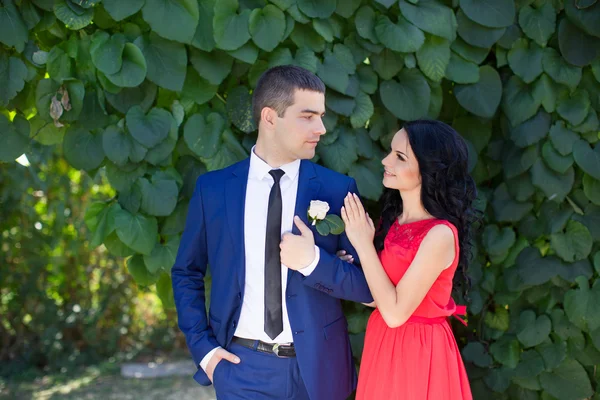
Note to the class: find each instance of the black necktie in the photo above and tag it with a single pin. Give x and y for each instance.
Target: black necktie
(273, 308)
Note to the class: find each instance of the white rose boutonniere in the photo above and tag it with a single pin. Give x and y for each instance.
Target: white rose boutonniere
(325, 224)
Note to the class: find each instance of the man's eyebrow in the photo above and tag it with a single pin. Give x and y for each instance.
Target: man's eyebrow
(309, 111)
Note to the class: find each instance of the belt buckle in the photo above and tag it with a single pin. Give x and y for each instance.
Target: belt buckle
(276, 347)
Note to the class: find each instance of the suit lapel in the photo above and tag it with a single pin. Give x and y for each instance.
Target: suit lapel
(308, 189)
(235, 198)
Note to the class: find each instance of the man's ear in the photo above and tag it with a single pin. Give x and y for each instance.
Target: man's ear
(268, 117)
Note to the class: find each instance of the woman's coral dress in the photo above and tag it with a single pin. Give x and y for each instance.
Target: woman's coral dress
(418, 360)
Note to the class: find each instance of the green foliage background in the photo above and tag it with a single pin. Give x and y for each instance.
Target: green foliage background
(153, 93)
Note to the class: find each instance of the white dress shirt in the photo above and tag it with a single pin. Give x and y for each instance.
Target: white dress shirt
(251, 323)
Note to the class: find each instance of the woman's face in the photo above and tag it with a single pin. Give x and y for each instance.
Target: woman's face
(401, 166)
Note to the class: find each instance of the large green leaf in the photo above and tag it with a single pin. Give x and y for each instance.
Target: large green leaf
(591, 188)
(123, 177)
(525, 59)
(13, 73)
(363, 110)
(368, 176)
(15, 139)
(407, 99)
(107, 51)
(574, 107)
(331, 71)
(231, 29)
(563, 138)
(586, 158)
(531, 330)
(481, 98)
(387, 64)
(568, 381)
(538, 23)
(136, 231)
(119, 10)
(83, 149)
(559, 70)
(531, 131)
(499, 319)
(133, 70)
(267, 27)
(164, 290)
(519, 103)
(498, 241)
(214, 67)
(100, 220)
(507, 209)
(365, 21)
(203, 135)
(430, 16)
(585, 16)
(554, 185)
(589, 125)
(204, 38)
(59, 65)
(139, 272)
(306, 59)
(230, 152)
(143, 95)
(148, 129)
(433, 57)
(476, 34)
(13, 31)
(577, 47)
(401, 36)
(470, 53)
(116, 144)
(173, 19)
(475, 352)
(166, 61)
(159, 198)
(477, 130)
(553, 354)
(340, 155)
(239, 109)
(555, 160)
(492, 13)
(75, 20)
(547, 92)
(573, 244)
(317, 8)
(346, 9)
(461, 71)
(506, 351)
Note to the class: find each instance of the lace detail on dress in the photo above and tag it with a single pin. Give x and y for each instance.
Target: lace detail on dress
(410, 235)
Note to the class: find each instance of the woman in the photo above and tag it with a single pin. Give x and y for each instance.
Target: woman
(423, 239)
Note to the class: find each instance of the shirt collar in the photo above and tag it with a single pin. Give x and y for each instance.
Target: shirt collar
(259, 169)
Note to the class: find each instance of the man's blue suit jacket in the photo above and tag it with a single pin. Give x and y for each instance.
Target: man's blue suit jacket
(214, 235)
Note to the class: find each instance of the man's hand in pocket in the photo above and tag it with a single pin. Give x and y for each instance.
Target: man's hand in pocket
(220, 355)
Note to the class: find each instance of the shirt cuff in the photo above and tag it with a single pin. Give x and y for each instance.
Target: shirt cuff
(306, 271)
(207, 357)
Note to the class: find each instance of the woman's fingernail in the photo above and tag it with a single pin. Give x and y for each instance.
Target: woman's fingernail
(237, 360)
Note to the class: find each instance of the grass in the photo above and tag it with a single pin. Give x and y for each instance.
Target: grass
(102, 382)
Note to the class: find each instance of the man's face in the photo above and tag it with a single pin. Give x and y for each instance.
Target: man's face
(298, 131)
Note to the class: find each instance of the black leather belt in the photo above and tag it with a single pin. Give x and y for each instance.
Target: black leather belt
(280, 350)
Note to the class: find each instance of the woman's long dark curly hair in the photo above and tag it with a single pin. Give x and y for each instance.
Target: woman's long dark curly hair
(447, 189)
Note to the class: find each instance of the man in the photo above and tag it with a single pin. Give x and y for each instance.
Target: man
(275, 328)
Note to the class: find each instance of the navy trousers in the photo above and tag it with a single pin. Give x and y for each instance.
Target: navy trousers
(258, 376)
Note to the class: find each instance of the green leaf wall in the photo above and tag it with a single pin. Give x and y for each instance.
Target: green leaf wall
(154, 93)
